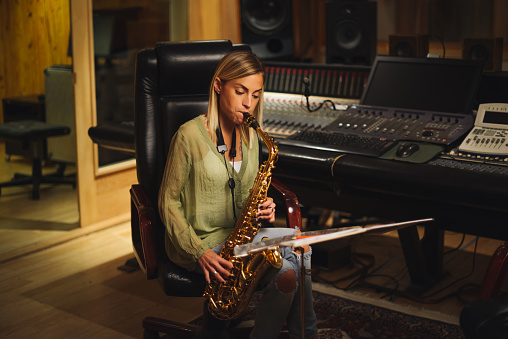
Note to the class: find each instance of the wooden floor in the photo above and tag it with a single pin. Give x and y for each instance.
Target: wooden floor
(58, 281)
(27, 224)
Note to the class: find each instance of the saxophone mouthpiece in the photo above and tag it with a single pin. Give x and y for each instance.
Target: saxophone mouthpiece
(250, 121)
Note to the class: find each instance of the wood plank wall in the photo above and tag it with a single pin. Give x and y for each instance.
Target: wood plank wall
(214, 19)
(33, 36)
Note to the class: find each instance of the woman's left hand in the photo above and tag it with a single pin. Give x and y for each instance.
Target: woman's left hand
(266, 210)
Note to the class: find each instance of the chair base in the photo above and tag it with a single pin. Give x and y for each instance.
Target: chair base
(36, 179)
(153, 326)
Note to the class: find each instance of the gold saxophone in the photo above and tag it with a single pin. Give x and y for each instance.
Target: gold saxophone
(228, 300)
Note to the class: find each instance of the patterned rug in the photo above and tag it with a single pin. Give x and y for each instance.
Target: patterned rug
(342, 318)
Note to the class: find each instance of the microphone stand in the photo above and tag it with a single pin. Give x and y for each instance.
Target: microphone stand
(302, 292)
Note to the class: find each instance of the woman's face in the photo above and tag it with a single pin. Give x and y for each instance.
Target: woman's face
(238, 96)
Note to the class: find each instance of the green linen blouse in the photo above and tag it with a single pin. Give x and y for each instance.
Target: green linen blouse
(195, 201)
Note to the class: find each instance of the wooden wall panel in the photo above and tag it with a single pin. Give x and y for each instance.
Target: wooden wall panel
(102, 199)
(33, 36)
(214, 19)
(500, 26)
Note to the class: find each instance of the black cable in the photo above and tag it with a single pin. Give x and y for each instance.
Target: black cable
(361, 280)
(222, 149)
(320, 105)
(362, 283)
(361, 271)
(404, 268)
(306, 93)
(407, 295)
(459, 246)
(362, 276)
(462, 278)
(394, 290)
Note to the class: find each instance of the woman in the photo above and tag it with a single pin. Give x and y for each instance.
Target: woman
(212, 163)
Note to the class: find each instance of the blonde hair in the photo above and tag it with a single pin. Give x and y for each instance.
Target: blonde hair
(235, 65)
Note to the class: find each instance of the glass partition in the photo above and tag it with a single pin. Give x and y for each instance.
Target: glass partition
(120, 30)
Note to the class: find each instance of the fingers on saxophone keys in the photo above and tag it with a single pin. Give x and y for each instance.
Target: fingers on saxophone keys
(213, 273)
(266, 212)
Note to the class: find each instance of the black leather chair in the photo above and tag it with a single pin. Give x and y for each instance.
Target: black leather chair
(171, 87)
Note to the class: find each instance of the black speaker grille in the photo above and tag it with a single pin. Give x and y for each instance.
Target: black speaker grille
(347, 34)
(404, 49)
(351, 32)
(266, 16)
(479, 52)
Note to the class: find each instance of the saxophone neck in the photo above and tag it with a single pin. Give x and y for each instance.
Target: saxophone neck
(250, 121)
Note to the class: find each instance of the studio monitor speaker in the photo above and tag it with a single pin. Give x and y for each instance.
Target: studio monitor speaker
(267, 26)
(351, 32)
(490, 50)
(410, 45)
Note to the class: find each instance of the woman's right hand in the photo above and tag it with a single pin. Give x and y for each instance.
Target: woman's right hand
(214, 265)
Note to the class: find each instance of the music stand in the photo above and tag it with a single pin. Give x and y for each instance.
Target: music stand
(297, 241)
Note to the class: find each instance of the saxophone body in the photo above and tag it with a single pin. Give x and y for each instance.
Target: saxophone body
(228, 300)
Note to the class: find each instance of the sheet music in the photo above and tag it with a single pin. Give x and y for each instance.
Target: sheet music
(307, 238)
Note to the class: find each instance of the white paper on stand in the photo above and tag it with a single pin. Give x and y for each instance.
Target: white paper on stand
(312, 237)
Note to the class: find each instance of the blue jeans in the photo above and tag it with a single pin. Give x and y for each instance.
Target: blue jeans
(277, 307)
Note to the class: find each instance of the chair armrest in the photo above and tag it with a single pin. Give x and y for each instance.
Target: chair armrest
(143, 231)
(292, 206)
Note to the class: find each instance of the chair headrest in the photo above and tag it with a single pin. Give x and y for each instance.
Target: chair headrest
(188, 67)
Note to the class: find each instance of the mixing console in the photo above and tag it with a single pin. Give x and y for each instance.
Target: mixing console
(286, 114)
(400, 124)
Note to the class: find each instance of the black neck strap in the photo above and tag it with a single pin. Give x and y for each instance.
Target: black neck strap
(222, 149)
(221, 145)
